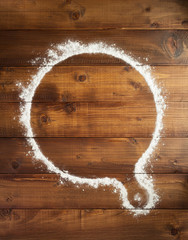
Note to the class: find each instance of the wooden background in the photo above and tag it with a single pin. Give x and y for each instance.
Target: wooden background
(94, 116)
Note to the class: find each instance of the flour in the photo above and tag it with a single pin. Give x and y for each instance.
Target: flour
(60, 53)
(137, 197)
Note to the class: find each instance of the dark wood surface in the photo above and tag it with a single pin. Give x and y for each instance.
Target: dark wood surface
(89, 14)
(94, 155)
(99, 224)
(93, 116)
(168, 47)
(44, 191)
(93, 119)
(95, 83)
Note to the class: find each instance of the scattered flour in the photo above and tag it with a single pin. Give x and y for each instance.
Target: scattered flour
(137, 197)
(60, 53)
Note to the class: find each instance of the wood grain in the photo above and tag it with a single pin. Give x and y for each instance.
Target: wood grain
(18, 48)
(91, 224)
(95, 83)
(94, 155)
(95, 119)
(88, 14)
(44, 191)
(94, 116)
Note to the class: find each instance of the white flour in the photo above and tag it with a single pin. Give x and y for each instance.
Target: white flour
(137, 197)
(60, 53)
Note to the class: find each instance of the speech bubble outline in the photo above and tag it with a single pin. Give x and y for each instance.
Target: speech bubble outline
(73, 48)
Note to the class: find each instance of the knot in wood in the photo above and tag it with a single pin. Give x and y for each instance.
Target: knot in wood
(185, 23)
(148, 9)
(44, 119)
(173, 45)
(82, 78)
(5, 212)
(135, 85)
(174, 231)
(75, 15)
(69, 107)
(15, 164)
(133, 140)
(154, 25)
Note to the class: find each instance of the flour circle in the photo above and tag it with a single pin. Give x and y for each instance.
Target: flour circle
(69, 49)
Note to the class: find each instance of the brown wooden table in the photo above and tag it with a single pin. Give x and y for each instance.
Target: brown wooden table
(93, 116)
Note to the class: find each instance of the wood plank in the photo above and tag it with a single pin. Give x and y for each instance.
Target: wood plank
(95, 119)
(94, 156)
(35, 224)
(44, 191)
(95, 83)
(88, 14)
(18, 48)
